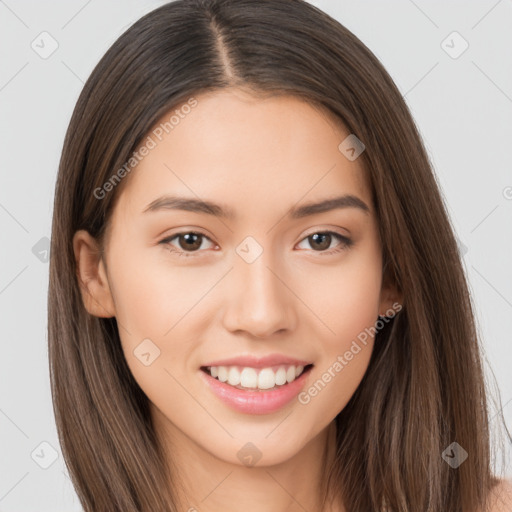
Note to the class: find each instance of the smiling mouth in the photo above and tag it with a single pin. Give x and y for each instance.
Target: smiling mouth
(256, 379)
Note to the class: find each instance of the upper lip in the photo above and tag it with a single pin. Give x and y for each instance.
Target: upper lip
(259, 362)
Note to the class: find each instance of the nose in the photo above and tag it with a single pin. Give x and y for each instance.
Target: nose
(259, 301)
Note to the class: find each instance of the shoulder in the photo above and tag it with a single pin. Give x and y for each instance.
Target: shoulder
(500, 498)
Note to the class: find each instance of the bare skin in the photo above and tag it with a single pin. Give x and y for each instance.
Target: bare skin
(259, 158)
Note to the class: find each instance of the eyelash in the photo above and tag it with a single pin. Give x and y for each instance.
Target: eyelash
(345, 243)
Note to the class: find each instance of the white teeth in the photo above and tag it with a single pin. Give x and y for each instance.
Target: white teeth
(281, 376)
(247, 377)
(222, 373)
(233, 376)
(267, 378)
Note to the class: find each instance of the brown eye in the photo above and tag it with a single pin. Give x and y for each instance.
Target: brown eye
(189, 242)
(321, 242)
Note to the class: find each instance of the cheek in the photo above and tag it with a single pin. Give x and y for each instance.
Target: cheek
(344, 297)
(157, 300)
(154, 302)
(347, 303)
(335, 381)
(153, 294)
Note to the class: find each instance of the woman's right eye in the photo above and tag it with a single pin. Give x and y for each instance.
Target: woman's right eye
(189, 242)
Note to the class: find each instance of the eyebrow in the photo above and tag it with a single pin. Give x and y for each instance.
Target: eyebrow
(202, 206)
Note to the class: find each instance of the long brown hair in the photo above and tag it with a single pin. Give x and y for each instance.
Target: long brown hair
(424, 388)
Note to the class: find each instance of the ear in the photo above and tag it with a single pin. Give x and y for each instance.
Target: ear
(92, 276)
(391, 298)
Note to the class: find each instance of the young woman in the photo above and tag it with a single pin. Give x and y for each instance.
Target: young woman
(256, 299)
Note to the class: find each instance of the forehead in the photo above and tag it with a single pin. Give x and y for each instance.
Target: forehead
(259, 155)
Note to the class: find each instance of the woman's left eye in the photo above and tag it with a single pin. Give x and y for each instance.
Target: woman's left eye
(323, 239)
(190, 242)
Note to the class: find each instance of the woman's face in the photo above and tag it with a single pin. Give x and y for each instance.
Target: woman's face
(268, 278)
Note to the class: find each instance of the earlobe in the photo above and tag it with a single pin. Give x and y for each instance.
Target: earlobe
(92, 276)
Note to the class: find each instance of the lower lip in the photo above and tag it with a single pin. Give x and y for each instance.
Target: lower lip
(256, 402)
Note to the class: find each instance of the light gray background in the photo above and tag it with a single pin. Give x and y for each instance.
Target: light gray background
(463, 107)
